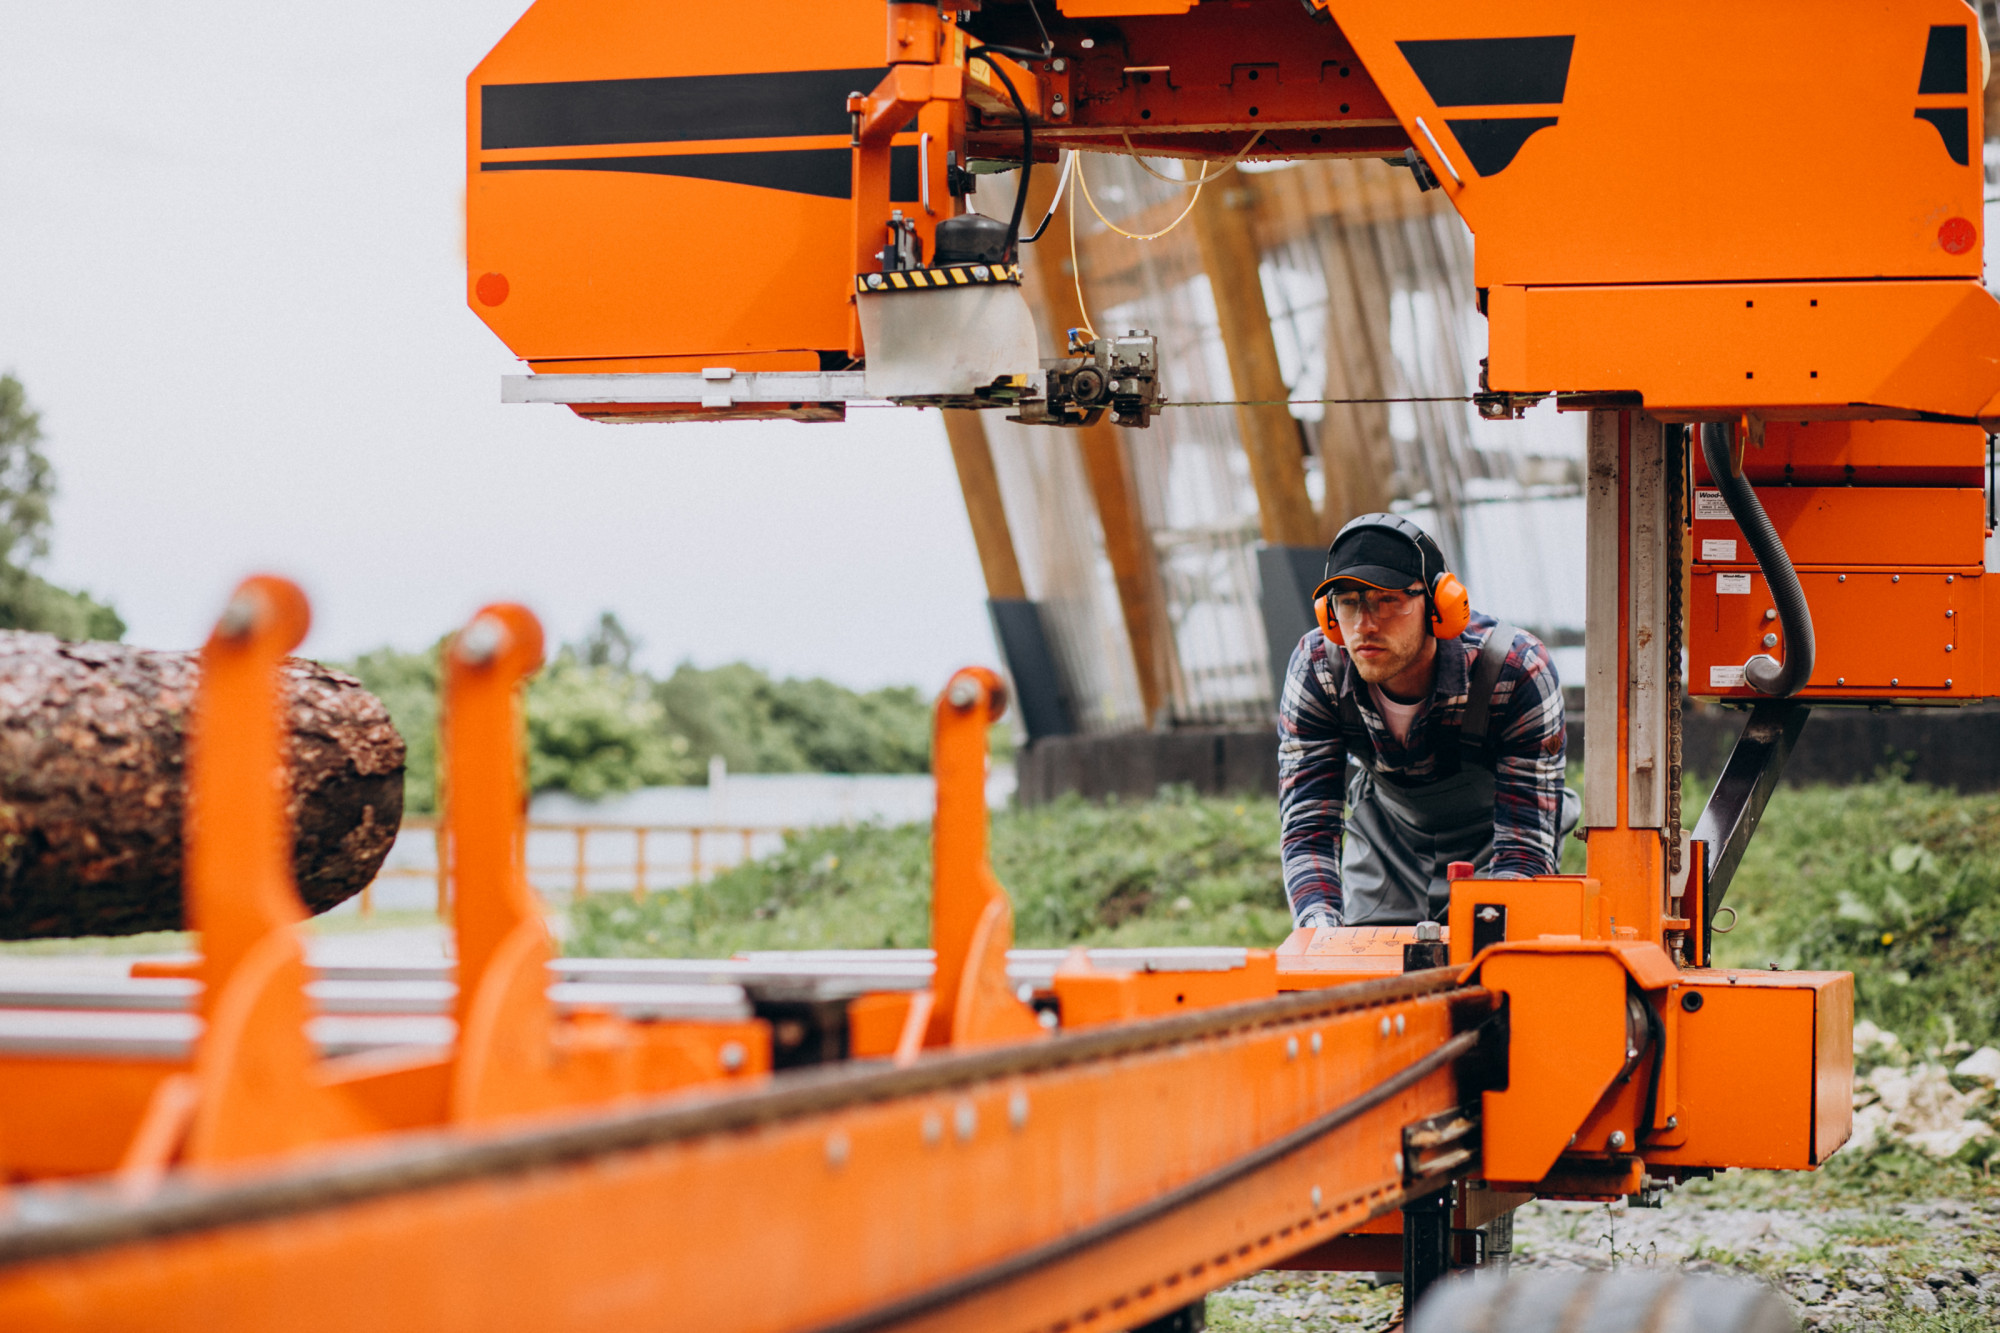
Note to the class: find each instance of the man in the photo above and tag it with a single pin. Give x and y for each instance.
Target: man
(1454, 724)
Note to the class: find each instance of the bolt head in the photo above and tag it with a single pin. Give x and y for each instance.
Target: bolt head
(1291, 1048)
(964, 692)
(239, 617)
(1315, 1043)
(1399, 1025)
(1316, 1196)
(1617, 1139)
(732, 1055)
(1385, 1025)
(482, 641)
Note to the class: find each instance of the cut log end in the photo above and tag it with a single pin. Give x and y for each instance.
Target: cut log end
(93, 785)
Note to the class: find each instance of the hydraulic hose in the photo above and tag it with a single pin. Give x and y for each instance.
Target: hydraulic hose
(1764, 672)
(1027, 145)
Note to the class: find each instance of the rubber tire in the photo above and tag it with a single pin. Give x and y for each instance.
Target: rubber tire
(1576, 1301)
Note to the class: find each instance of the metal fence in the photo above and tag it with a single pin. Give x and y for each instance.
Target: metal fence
(634, 858)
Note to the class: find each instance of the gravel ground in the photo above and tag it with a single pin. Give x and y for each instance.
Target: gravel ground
(1843, 1260)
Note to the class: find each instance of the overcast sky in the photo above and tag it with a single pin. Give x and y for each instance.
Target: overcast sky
(231, 279)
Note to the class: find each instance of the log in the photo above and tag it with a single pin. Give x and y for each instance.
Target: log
(93, 785)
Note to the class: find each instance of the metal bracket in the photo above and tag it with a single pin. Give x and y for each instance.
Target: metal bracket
(714, 387)
(1740, 794)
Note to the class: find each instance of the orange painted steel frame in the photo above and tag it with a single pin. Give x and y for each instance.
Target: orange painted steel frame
(1820, 260)
(256, 1088)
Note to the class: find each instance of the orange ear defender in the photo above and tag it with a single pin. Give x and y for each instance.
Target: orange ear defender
(1323, 612)
(1451, 604)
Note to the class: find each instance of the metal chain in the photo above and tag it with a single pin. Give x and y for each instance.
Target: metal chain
(1677, 467)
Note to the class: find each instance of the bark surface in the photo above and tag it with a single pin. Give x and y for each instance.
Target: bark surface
(93, 759)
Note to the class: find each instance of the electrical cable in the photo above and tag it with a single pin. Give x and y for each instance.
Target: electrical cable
(1063, 183)
(1765, 673)
(1076, 269)
(1027, 145)
(1083, 184)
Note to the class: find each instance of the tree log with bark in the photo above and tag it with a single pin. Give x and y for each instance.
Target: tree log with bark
(93, 753)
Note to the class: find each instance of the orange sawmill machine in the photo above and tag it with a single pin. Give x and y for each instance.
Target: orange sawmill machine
(1745, 239)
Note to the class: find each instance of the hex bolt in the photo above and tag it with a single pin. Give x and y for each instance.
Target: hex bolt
(1291, 1048)
(1673, 1122)
(1843, 578)
(1059, 107)
(1770, 641)
(964, 692)
(482, 641)
(733, 1055)
(1617, 1139)
(1017, 1109)
(1840, 680)
(1951, 647)
(965, 1120)
(1949, 614)
(1399, 1025)
(239, 617)
(1770, 613)
(1895, 680)
(836, 1149)
(1059, 64)
(1895, 578)
(1385, 1025)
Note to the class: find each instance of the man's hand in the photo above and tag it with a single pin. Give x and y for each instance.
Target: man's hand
(1316, 917)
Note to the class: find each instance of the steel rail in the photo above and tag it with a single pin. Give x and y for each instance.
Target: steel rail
(1042, 1256)
(51, 1221)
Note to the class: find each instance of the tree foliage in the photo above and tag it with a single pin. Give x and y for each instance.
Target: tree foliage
(598, 725)
(27, 490)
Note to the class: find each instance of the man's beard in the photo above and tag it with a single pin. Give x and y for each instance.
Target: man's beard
(1385, 669)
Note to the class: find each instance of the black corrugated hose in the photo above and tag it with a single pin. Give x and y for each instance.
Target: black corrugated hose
(1764, 672)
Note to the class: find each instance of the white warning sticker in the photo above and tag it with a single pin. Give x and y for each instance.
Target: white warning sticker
(1725, 677)
(1728, 584)
(1708, 504)
(1718, 548)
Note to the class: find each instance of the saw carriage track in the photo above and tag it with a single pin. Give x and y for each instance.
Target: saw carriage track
(58, 1221)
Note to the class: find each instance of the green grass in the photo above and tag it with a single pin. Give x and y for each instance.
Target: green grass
(1894, 881)
(1178, 870)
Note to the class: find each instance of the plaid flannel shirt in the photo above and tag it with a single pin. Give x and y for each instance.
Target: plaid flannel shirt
(1525, 727)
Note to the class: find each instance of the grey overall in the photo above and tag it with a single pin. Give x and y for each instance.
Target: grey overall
(1400, 839)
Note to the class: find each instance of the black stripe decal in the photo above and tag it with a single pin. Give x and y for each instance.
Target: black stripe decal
(1944, 61)
(1492, 144)
(825, 172)
(1953, 126)
(700, 106)
(1491, 71)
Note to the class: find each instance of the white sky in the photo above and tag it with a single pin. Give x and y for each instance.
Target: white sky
(231, 279)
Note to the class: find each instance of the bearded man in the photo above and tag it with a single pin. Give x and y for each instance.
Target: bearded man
(1413, 732)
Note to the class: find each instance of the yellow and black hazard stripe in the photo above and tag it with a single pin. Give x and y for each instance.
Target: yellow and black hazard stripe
(930, 279)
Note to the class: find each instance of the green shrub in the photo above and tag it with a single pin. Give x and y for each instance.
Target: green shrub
(1179, 870)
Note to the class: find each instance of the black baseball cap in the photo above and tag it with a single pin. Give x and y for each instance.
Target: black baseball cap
(1380, 557)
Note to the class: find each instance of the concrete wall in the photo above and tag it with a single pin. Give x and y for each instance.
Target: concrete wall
(1949, 747)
